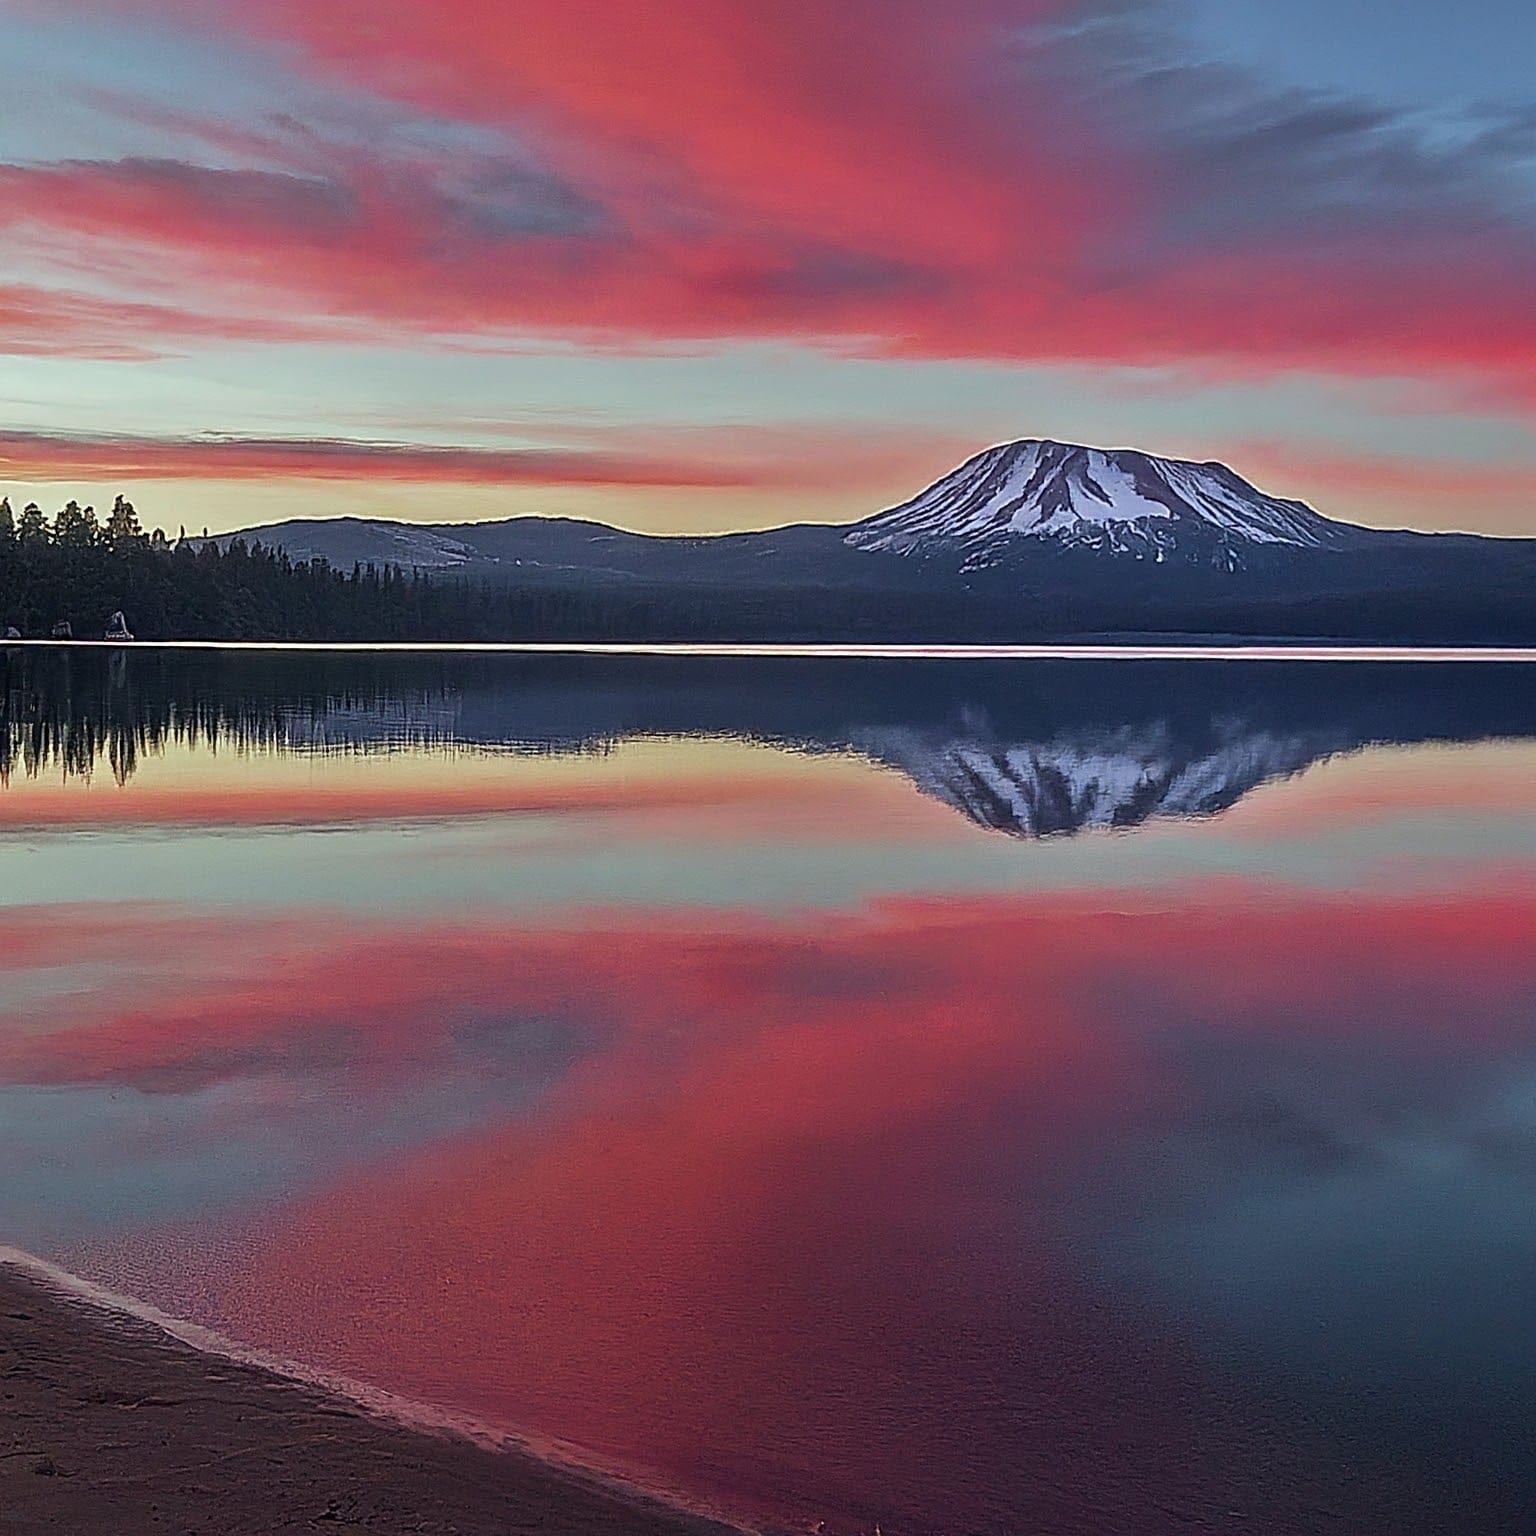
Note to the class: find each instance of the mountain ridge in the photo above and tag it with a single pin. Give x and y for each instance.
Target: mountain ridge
(1027, 538)
(1056, 481)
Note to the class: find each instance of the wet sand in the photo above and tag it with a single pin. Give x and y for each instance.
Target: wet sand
(108, 1424)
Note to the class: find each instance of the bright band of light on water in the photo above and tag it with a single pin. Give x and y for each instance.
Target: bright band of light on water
(1377, 653)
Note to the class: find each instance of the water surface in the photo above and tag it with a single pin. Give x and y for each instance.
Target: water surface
(965, 1096)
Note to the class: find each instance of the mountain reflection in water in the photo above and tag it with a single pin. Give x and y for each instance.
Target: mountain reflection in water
(1027, 749)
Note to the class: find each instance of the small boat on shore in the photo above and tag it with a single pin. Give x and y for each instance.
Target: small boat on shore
(117, 628)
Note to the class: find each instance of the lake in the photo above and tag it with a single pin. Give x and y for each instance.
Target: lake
(998, 1095)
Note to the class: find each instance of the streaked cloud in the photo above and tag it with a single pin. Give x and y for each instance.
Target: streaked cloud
(767, 459)
(61, 456)
(994, 187)
(1020, 184)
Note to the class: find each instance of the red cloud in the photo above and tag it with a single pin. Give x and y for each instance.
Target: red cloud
(47, 322)
(51, 456)
(726, 458)
(862, 125)
(890, 174)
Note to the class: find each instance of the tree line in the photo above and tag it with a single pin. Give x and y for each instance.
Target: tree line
(78, 569)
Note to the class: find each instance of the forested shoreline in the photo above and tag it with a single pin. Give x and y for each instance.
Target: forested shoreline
(79, 570)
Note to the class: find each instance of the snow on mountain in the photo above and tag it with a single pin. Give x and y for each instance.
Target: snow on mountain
(1073, 782)
(362, 540)
(425, 550)
(1115, 500)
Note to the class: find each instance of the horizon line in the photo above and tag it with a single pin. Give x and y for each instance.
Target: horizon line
(1088, 651)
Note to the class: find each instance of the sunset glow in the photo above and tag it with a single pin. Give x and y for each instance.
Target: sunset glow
(729, 263)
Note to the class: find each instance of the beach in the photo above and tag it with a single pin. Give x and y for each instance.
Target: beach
(110, 1424)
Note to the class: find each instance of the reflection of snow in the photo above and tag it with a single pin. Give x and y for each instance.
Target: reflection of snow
(1117, 778)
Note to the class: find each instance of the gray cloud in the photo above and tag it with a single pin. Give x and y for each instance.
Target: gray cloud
(1238, 161)
(258, 197)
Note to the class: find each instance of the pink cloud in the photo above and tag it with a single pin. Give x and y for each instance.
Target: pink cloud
(25, 456)
(713, 458)
(895, 177)
(52, 322)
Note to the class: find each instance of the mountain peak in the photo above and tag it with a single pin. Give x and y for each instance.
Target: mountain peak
(1117, 500)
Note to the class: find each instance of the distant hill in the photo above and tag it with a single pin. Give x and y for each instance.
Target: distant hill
(1025, 539)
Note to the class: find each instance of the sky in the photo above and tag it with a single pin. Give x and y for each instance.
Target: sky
(713, 264)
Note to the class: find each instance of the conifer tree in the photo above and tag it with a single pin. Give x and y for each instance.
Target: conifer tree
(123, 527)
(33, 526)
(75, 527)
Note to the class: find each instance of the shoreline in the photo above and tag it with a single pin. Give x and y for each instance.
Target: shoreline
(117, 1419)
(1274, 650)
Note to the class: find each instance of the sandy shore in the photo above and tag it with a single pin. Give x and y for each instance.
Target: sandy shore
(107, 1424)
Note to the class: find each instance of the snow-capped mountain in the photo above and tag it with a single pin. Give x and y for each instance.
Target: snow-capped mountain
(1118, 501)
(1033, 539)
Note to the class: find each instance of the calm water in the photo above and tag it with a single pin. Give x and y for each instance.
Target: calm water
(1000, 1097)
